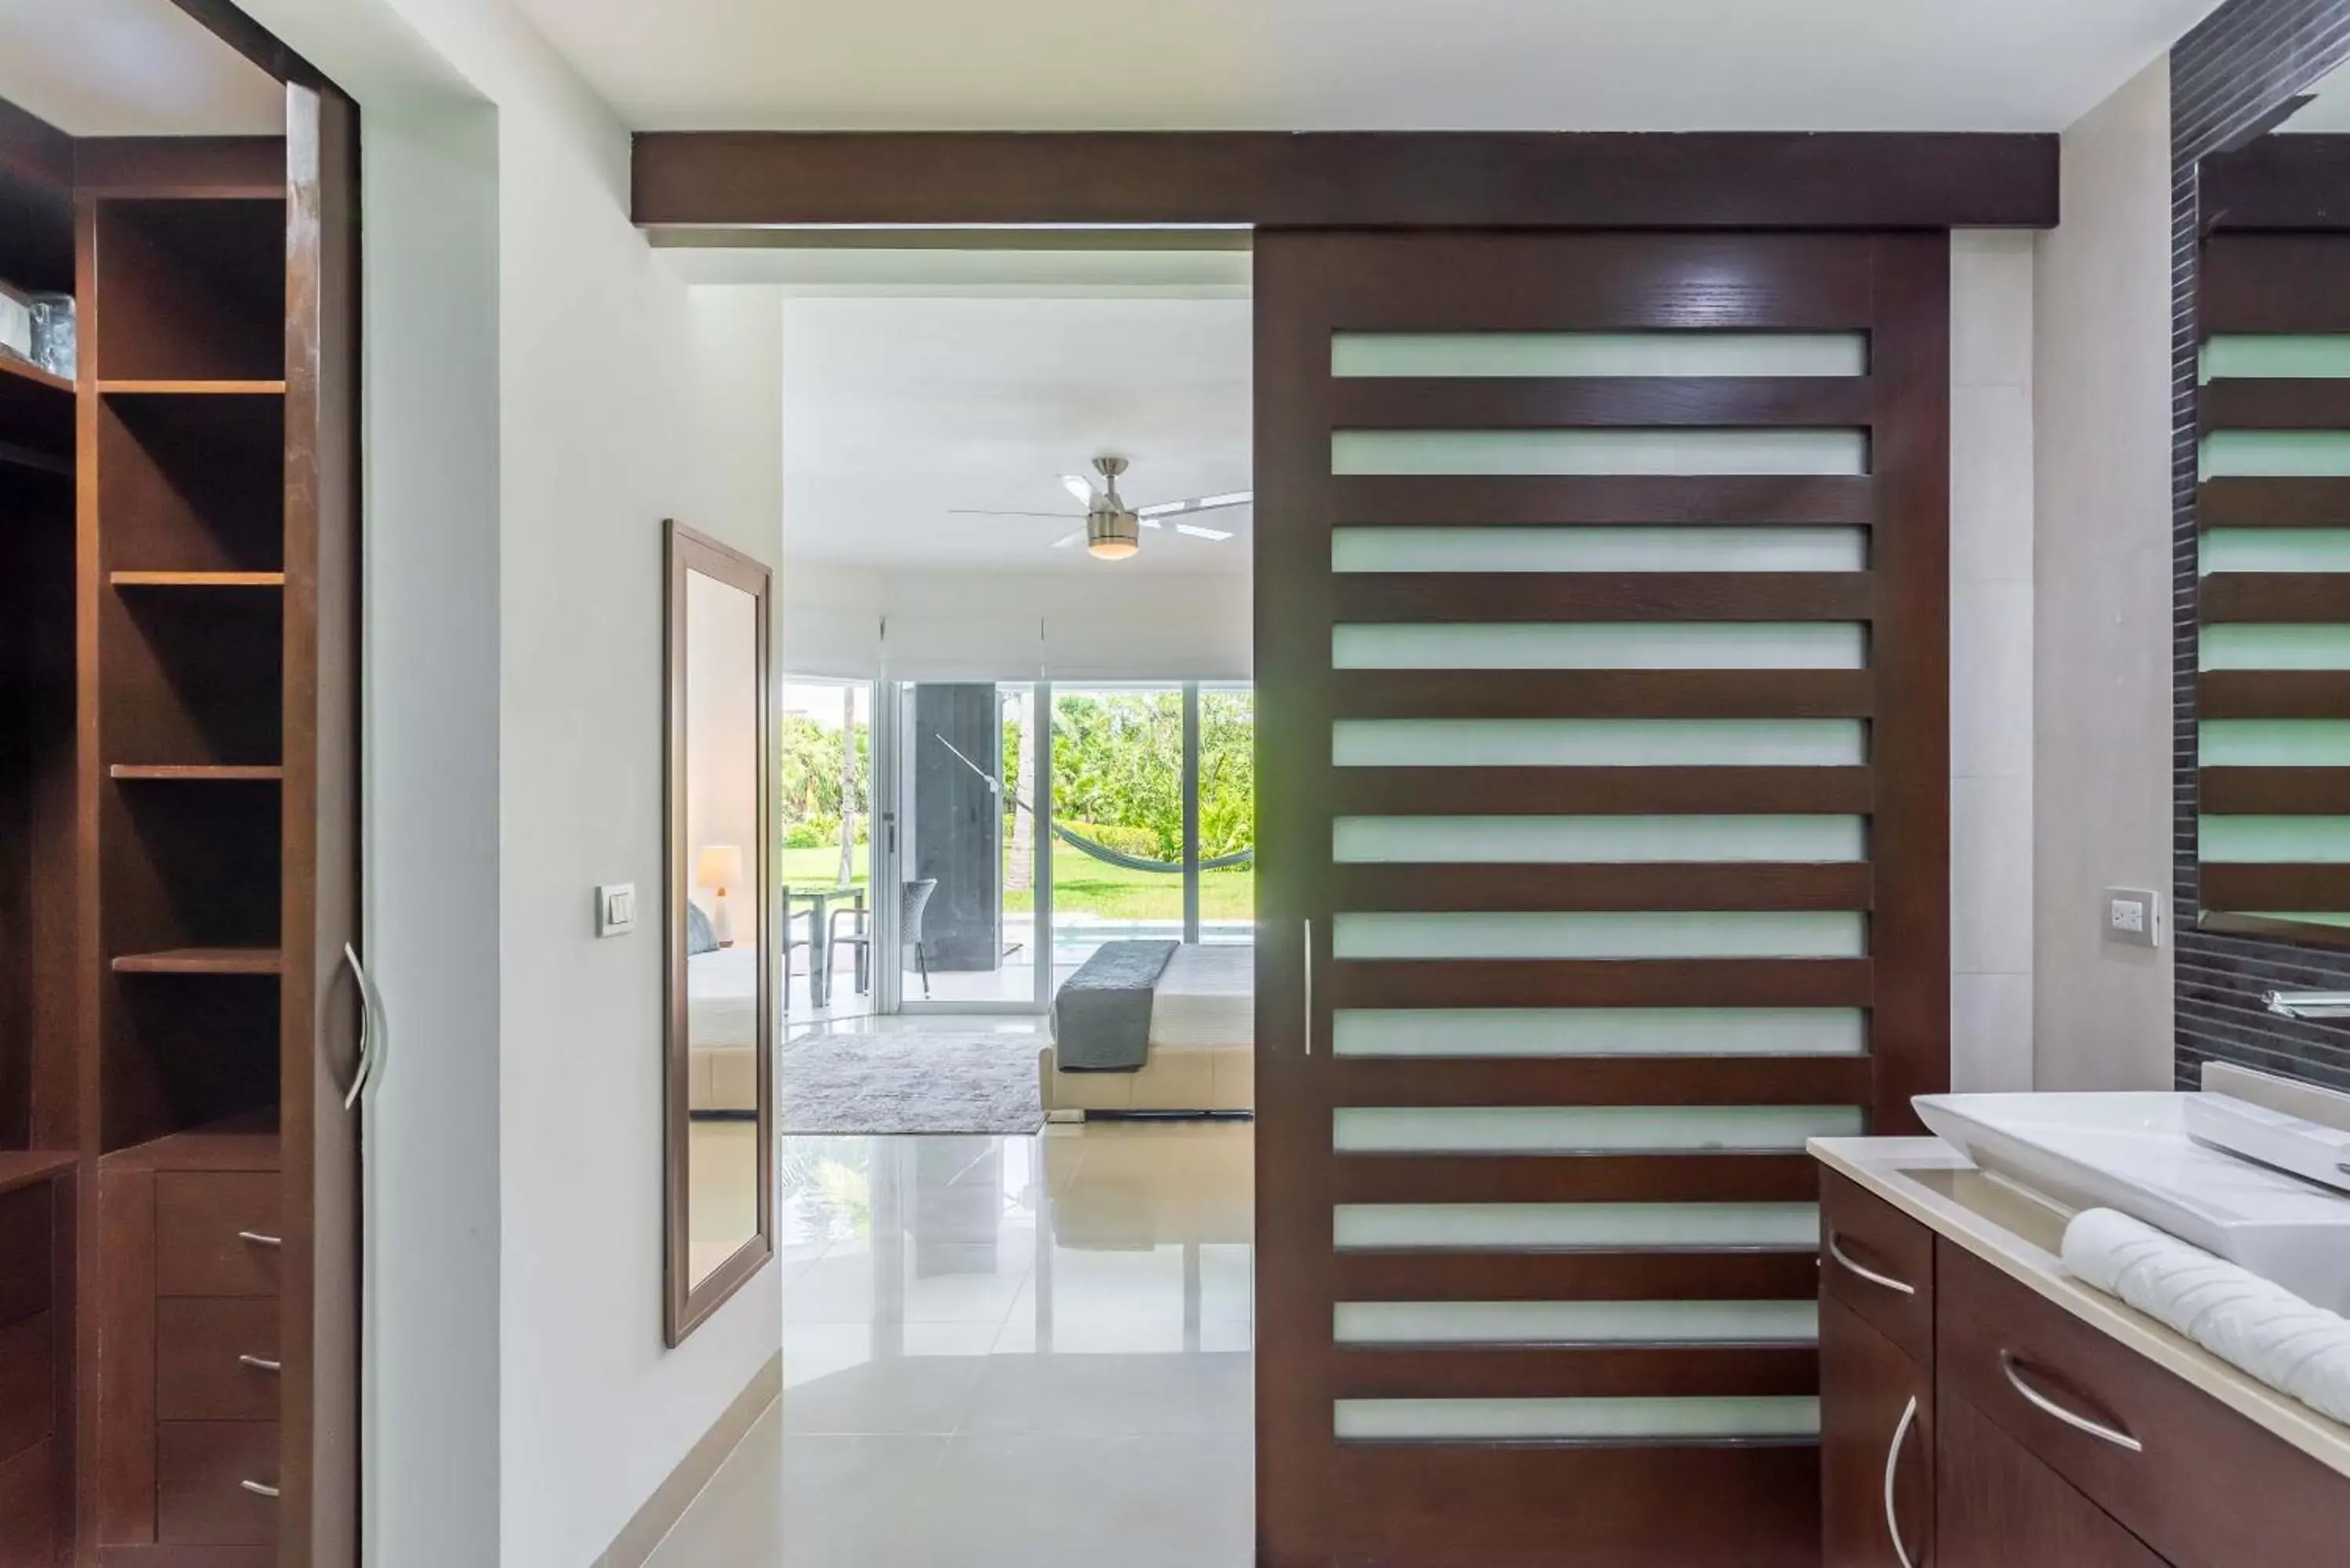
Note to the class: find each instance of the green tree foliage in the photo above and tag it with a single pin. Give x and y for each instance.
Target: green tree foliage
(810, 784)
(1118, 763)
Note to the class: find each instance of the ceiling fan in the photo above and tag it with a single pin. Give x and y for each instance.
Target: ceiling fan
(1113, 531)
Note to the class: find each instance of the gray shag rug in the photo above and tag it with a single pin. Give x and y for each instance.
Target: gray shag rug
(910, 1083)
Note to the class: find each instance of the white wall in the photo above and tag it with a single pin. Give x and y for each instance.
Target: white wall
(1992, 525)
(2102, 622)
(514, 690)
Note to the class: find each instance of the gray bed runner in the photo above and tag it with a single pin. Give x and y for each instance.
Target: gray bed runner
(1101, 1019)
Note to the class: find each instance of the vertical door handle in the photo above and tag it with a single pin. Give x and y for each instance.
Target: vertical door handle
(1892, 1468)
(1309, 988)
(364, 1069)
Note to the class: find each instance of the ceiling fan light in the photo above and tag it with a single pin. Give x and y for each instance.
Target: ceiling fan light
(1112, 534)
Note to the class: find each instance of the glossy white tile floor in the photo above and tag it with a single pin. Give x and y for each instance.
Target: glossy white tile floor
(1030, 1351)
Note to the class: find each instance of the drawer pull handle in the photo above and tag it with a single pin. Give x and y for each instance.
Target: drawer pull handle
(1885, 1281)
(259, 1362)
(1892, 1467)
(258, 1240)
(2047, 1406)
(258, 1489)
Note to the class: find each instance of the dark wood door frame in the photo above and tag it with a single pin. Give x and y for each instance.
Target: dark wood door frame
(689, 182)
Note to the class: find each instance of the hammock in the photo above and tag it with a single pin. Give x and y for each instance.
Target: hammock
(1104, 853)
(1101, 852)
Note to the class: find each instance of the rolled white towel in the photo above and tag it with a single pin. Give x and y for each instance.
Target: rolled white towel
(2238, 1316)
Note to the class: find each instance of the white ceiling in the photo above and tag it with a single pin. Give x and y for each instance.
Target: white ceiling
(896, 410)
(1618, 65)
(131, 68)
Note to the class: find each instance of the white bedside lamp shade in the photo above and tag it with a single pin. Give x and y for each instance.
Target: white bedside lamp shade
(719, 867)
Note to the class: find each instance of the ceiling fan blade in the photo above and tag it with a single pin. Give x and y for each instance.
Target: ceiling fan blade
(1081, 488)
(1065, 540)
(977, 512)
(1199, 503)
(1194, 529)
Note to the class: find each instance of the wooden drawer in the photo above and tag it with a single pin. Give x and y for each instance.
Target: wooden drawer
(2001, 1507)
(204, 1222)
(205, 1351)
(2200, 1484)
(199, 1470)
(1861, 1236)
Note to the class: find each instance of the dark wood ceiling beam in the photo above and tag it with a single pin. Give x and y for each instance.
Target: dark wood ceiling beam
(756, 180)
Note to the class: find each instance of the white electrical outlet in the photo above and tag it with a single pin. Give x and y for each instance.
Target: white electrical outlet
(616, 909)
(2133, 916)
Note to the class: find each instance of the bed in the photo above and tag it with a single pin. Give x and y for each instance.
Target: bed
(1202, 1050)
(721, 1031)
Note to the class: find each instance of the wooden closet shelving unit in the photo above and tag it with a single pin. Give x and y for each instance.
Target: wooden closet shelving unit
(178, 857)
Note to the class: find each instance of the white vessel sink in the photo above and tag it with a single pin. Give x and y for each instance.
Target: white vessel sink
(2131, 1152)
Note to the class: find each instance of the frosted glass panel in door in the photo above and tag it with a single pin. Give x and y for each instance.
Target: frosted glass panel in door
(1625, 1420)
(2276, 550)
(2274, 840)
(1522, 1225)
(1677, 549)
(1577, 1322)
(1584, 1130)
(1647, 935)
(2279, 453)
(1582, 840)
(2244, 646)
(1658, 451)
(2274, 743)
(1598, 1032)
(1675, 353)
(1597, 742)
(1713, 645)
(2260, 355)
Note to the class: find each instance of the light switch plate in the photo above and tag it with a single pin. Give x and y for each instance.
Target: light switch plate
(616, 909)
(2134, 917)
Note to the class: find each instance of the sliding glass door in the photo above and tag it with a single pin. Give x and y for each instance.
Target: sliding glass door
(825, 819)
(973, 859)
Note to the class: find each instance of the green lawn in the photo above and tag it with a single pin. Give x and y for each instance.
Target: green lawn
(1079, 883)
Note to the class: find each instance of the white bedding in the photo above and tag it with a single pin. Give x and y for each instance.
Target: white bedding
(1206, 999)
(722, 999)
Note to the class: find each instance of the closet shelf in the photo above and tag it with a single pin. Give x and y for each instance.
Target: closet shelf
(196, 579)
(247, 1142)
(197, 772)
(192, 389)
(37, 418)
(201, 961)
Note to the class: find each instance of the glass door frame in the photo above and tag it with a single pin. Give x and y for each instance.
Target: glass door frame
(890, 806)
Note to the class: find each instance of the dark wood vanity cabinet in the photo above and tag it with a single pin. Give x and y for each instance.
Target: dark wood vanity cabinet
(1967, 1421)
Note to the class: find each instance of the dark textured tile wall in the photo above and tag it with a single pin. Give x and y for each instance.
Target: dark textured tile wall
(2227, 77)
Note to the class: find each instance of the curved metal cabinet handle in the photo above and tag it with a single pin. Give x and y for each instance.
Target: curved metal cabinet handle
(258, 1489)
(1887, 1281)
(259, 1239)
(1892, 1468)
(2047, 1406)
(1309, 988)
(260, 1363)
(364, 1072)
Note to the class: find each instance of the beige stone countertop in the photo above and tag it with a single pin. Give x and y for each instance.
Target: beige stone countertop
(2021, 1235)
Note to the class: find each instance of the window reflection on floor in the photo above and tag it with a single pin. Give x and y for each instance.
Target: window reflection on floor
(1004, 1350)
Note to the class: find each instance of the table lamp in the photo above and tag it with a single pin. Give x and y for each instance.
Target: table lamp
(718, 867)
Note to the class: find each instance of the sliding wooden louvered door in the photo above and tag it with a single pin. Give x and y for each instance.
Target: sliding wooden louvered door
(1604, 794)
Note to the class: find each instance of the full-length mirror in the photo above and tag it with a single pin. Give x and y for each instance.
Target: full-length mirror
(2272, 699)
(721, 876)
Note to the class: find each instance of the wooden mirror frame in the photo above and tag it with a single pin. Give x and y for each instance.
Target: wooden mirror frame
(686, 1303)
